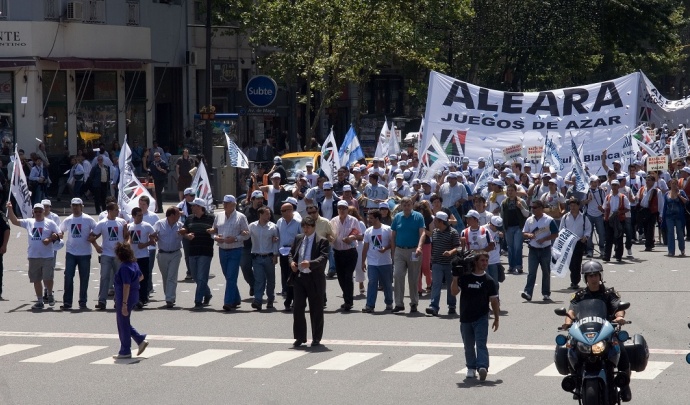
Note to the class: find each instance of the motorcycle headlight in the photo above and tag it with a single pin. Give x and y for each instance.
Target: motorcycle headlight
(584, 348)
(598, 348)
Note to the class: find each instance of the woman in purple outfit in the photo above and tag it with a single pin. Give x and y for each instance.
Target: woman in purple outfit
(127, 281)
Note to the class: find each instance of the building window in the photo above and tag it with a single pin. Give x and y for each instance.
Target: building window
(132, 12)
(135, 106)
(96, 110)
(3, 9)
(51, 9)
(173, 2)
(95, 12)
(199, 12)
(55, 114)
(6, 108)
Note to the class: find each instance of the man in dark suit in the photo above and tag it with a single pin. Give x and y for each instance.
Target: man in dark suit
(308, 257)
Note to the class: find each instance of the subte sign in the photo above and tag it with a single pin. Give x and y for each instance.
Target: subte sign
(261, 91)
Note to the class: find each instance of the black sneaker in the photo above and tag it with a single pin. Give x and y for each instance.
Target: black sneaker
(51, 300)
(451, 311)
(207, 299)
(626, 394)
(413, 308)
(367, 310)
(526, 296)
(398, 309)
(66, 306)
(431, 311)
(198, 306)
(38, 306)
(100, 306)
(269, 305)
(256, 306)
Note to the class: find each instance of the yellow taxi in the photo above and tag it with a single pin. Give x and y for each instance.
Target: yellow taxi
(294, 161)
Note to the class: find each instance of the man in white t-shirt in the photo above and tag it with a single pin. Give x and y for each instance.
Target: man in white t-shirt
(77, 227)
(56, 246)
(150, 218)
(376, 257)
(475, 237)
(42, 234)
(142, 236)
(114, 231)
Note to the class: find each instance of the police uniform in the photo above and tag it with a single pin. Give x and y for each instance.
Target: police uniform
(612, 299)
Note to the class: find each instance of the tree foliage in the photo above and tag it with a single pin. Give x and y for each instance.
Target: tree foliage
(322, 45)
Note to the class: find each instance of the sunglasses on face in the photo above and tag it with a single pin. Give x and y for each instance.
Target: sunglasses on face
(342, 208)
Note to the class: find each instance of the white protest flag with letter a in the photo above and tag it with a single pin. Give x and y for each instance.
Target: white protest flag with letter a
(630, 146)
(578, 169)
(562, 253)
(487, 174)
(130, 188)
(679, 146)
(432, 159)
(329, 156)
(382, 144)
(202, 186)
(20, 187)
(551, 155)
(237, 157)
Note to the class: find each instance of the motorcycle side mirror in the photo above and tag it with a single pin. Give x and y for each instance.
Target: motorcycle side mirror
(564, 312)
(623, 306)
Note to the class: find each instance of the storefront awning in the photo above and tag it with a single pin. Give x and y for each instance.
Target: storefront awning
(9, 63)
(101, 64)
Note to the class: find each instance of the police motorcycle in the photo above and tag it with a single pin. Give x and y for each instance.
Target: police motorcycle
(588, 356)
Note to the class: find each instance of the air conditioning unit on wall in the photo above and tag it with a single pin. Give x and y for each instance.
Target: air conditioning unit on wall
(75, 11)
(190, 58)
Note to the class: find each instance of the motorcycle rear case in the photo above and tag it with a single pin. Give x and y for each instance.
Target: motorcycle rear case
(638, 353)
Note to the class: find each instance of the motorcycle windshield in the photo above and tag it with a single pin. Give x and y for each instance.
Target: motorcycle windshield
(591, 316)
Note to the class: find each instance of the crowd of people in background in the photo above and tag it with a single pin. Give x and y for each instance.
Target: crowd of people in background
(376, 226)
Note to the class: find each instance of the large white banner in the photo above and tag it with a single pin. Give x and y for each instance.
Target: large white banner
(468, 120)
(657, 109)
(562, 253)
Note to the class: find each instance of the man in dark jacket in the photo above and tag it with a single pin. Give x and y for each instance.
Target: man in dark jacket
(99, 183)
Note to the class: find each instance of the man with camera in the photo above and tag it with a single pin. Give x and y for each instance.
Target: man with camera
(477, 290)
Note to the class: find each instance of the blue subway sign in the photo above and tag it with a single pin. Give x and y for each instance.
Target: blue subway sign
(261, 91)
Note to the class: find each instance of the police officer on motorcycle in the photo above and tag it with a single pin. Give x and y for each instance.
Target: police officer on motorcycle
(592, 273)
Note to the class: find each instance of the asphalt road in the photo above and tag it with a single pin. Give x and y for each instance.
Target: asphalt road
(246, 357)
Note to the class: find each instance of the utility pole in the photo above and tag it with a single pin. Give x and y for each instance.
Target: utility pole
(208, 131)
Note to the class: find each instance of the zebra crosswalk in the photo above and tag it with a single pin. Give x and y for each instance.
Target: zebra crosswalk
(395, 362)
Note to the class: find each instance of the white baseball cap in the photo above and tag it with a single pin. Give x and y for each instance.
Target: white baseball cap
(347, 188)
(291, 200)
(188, 191)
(275, 175)
(496, 221)
(46, 202)
(257, 194)
(471, 214)
(200, 202)
(77, 201)
(229, 199)
(442, 216)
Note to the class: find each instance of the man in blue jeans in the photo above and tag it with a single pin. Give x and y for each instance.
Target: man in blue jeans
(541, 230)
(265, 239)
(477, 290)
(77, 227)
(445, 242)
(195, 230)
(230, 230)
(376, 257)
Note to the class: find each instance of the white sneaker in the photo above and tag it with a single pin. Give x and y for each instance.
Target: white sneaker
(630, 253)
(471, 373)
(482, 374)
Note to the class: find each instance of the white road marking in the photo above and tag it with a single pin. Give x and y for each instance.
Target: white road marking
(343, 361)
(654, 368)
(272, 359)
(14, 348)
(549, 371)
(201, 358)
(417, 363)
(64, 354)
(497, 364)
(333, 342)
(150, 352)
